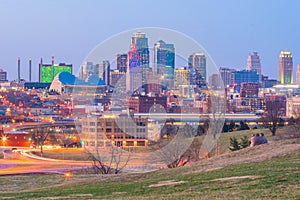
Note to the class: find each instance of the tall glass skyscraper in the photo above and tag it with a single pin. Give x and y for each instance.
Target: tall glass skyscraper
(197, 67)
(138, 62)
(164, 62)
(285, 67)
(140, 43)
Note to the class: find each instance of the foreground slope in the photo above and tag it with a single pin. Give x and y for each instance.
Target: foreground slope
(269, 171)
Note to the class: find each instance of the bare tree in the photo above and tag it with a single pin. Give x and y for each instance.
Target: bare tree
(194, 150)
(272, 116)
(216, 108)
(39, 137)
(175, 153)
(110, 160)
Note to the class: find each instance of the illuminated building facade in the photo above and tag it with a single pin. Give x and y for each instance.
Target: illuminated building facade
(114, 129)
(47, 72)
(182, 77)
(285, 67)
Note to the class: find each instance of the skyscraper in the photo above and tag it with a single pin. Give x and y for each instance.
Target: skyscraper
(164, 62)
(298, 74)
(122, 62)
(197, 67)
(106, 72)
(140, 43)
(87, 69)
(138, 62)
(285, 67)
(253, 63)
(227, 76)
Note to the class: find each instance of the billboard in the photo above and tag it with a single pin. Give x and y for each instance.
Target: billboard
(47, 75)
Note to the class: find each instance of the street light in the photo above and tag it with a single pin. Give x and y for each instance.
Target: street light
(4, 139)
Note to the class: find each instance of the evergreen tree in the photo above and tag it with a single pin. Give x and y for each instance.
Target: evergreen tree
(234, 144)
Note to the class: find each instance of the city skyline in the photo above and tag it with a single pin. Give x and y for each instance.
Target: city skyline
(228, 39)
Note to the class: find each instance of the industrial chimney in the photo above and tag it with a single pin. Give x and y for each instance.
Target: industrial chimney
(29, 69)
(19, 70)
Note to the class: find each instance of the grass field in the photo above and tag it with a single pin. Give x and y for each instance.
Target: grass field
(80, 154)
(264, 172)
(278, 178)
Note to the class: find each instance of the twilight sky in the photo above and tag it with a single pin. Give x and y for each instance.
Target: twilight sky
(69, 29)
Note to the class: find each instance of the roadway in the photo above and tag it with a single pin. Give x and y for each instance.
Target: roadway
(22, 162)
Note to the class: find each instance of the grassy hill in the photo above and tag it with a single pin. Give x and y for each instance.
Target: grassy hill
(269, 171)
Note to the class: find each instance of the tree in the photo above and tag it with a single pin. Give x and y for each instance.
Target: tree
(244, 142)
(243, 126)
(39, 137)
(111, 160)
(194, 150)
(175, 153)
(169, 128)
(271, 117)
(234, 144)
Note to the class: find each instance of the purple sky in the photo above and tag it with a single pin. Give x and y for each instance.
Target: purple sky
(69, 30)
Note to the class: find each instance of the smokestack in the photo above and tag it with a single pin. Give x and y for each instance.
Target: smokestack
(29, 69)
(40, 68)
(52, 68)
(19, 70)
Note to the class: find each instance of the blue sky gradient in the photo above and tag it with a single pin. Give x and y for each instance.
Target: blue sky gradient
(69, 29)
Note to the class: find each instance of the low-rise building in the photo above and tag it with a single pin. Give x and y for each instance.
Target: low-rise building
(293, 107)
(118, 130)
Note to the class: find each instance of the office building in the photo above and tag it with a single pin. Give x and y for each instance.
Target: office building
(138, 62)
(244, 76)
(122, 62)
(145, 104)
(164, 62)
(106, 72)
(249, 90)
(268, 83)
(182, 77)
(293, 107)
(113, 129)
(87, 69)
(298, 74)
(115, 76)
(197, 67)
(285, 67)
(215, 82)
(139, 41)
(3, 75)
(227, 76)
(253, 63)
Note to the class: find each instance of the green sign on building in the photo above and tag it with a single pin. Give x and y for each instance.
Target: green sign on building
(48, 72)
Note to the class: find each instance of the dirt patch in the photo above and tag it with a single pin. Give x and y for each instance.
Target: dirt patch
(235, 178)
(166, 183)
